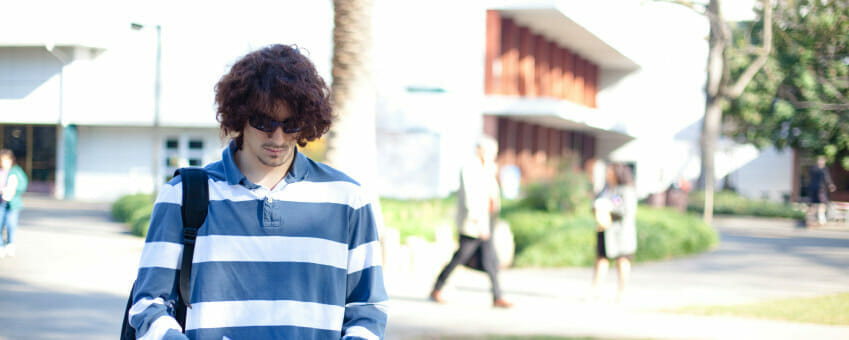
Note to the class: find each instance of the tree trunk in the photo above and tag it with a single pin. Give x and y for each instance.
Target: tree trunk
(713, 110)
(717, 89)
(351, 141)
(710, 134)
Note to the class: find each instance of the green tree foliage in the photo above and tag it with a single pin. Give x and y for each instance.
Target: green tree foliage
(801, 99)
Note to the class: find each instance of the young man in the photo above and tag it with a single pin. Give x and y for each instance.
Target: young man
(13, 184)
(289, 249)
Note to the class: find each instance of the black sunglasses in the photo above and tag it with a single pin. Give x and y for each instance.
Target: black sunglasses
(266, 124)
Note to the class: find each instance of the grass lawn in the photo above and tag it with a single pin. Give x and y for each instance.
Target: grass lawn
(829, 310)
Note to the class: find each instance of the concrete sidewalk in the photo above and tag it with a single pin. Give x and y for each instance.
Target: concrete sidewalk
(758, 259)
(72, 274)
(74, 268)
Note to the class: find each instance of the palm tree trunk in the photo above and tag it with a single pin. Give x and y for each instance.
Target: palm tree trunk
(351, 142)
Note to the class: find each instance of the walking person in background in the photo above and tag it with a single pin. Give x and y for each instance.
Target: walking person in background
(13, 184)
(478, 206)
(819, 187)
(615, 211)
(289, 248)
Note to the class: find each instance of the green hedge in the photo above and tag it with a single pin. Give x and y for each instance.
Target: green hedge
(566, 192)
(542, 238)
(731, 203)
(545, 239)
(418, 217)
(140, 220)
(124, 208)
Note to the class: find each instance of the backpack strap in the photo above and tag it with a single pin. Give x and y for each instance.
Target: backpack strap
(194, 209)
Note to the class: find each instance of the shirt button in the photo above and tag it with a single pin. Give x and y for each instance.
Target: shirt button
(270, 200)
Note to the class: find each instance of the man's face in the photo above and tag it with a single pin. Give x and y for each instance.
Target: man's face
(6, 163)
(270, 149)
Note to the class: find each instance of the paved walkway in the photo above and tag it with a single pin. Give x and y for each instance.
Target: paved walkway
(74, 269)
(757, 260)
(72, 273)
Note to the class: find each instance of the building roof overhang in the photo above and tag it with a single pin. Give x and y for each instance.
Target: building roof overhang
(558, 114)
(549, 19)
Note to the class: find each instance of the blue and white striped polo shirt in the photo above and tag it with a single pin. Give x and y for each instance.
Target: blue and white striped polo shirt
(301, 261)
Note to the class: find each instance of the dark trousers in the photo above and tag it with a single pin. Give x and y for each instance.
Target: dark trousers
(488, 261)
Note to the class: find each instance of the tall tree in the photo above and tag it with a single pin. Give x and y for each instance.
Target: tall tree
(351, 142)
(721, 85)
(801, 100)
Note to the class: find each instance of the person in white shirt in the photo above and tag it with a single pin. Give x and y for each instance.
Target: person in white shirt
(478, 206)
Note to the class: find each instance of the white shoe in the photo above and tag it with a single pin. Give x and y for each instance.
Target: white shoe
(10, 249)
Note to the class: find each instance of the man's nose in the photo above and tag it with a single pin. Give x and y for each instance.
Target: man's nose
(277, 135)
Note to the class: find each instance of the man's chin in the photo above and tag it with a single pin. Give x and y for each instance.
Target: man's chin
(272, 162)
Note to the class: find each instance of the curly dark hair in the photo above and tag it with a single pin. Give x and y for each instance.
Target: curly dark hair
(261, 80)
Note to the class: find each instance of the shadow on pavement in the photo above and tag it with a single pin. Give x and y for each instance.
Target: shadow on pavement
(28, 312)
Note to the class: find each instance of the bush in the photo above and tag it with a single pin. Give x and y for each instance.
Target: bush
(546, 239)
(418, 217)
(564, 193)
(731, 203)
(125, 206)
(664, 233)
(140, 220)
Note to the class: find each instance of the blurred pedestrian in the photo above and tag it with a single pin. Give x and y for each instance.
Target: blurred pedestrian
(818, 188)
(615, 210)
(478, 206)
(13, 184)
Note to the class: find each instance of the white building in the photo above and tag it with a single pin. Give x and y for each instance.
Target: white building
(80, 90)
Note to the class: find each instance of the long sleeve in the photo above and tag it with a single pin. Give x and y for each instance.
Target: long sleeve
(826, 175)
(152, 313)
(365, 310)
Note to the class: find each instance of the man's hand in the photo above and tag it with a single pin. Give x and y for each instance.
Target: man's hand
(832, 188)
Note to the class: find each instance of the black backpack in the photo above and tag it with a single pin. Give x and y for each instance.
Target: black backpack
(194, 208)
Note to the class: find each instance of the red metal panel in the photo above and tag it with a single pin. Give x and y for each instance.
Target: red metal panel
(526, 63)
(578, 85)
(568, 74)
(588, 148)
(556, 71)
(589, 84)
(541, 139)
(509, 58)
(554, 146)
(542, 55)
(492, 73)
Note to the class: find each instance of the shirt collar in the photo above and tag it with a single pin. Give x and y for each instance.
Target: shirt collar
(234, 176)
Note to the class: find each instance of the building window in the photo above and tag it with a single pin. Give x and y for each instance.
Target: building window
(182, 151)
(195, 144)
(172, 143)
